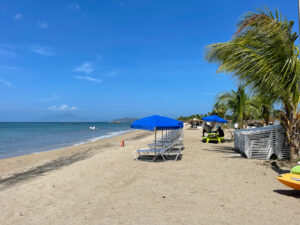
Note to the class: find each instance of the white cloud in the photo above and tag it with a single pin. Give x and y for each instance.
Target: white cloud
(63, 107)
(18, 16)
(85, 68)
(88, 78)
(74, 6)
(43, 25)
(113, 73)
(41, 50)
(8, 84)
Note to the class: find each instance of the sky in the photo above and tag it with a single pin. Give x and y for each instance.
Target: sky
(109, 59)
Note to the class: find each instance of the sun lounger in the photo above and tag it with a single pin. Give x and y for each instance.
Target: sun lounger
(170, 136)
(163, 152)
(173, 148)
(147, 151)
(262, 142)
(177, 140)
(171, 131)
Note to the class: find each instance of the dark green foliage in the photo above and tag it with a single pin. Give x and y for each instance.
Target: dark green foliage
(263, 56)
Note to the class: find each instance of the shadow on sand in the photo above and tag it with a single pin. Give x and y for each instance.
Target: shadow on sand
(140, 136)
(289, 193)
(53, 165)
(159, 159)
(277, 169)
(40, 170)
(222, 149)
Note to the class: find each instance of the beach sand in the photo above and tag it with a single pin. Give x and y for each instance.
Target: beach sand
(101, 183)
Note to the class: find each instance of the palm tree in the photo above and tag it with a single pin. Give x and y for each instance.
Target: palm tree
(262, 54)
(239, 104)
(219, 109)
(265, 106)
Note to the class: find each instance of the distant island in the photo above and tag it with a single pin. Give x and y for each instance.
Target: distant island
(123, 120)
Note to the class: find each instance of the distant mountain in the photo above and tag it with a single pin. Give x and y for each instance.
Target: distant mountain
(63, 117)
(124, 120)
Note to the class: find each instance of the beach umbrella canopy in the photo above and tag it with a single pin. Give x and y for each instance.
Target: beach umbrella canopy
(156, 122)
(214, 118)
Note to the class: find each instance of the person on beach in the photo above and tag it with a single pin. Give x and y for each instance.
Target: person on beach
(220, 131)
(206, 129)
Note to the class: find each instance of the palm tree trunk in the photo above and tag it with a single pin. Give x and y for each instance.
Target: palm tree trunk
(290, 119)
(267, 118)
(294, 144)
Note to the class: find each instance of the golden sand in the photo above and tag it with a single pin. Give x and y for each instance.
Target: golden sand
(101, 183)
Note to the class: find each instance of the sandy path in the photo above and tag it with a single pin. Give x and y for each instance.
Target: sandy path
(210, 185)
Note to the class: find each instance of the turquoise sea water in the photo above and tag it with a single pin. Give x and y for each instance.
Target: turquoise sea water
(26, 138)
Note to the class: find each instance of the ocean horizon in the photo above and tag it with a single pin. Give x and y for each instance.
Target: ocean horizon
(23, 138)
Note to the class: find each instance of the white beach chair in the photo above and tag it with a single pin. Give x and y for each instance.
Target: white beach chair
(145, 152)
(163, 149)
(262, 142)
(166, 143)
(170, 137)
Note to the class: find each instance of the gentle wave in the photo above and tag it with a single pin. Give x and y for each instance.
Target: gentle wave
(112, 134)
(41, 137)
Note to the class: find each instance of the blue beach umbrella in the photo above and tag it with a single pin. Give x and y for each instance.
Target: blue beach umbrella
(155, 122)
(214, 118)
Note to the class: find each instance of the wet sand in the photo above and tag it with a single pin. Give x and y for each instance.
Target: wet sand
(100, 183)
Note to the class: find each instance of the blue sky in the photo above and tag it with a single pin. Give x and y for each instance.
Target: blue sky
(116, 58)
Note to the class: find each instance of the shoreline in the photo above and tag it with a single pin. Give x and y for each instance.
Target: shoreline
(14, 166)
(90, 140)
(70, 144)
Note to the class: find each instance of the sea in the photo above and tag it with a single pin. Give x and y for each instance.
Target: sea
(22, 138)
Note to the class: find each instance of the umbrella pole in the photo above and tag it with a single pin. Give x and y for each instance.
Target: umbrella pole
(162, 138)
(155, 140)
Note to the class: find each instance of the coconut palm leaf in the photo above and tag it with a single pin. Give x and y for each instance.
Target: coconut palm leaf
(239, 104)
(263, 55)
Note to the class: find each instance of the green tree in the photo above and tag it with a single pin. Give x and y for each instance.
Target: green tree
(219, 109)
(239, 104)
(262, 54)
(265, 106)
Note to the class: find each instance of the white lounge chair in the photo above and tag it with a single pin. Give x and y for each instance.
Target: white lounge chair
(166, 143)
(163, 150)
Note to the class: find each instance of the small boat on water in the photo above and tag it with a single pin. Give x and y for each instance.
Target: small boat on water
(93, 128)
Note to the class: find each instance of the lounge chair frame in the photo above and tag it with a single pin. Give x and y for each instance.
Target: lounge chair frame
(161, 147)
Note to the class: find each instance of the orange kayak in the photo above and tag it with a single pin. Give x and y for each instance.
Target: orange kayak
(290, 180)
